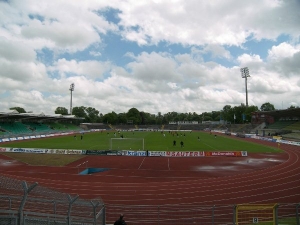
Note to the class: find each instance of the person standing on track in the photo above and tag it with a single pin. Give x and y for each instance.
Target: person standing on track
(120, 221)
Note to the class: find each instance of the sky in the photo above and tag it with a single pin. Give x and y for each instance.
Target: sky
(152, 55)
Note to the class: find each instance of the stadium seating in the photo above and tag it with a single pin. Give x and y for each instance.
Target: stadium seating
(38, 127)
(291, 136)
(280, 125)
(63, 127)
(15, 127)
(293, 126)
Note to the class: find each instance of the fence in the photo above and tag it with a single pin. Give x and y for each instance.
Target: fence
(287, 214)
(22, 203)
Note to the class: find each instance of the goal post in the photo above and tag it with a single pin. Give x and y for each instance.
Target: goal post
(127, 144)
(255, 213)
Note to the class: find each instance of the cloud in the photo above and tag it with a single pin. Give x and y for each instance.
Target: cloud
(284, 58)
(217, 51)
(63, 26)
(90, 68)
(16, 51)
(210, 22)
(186, 58)
(283, 50)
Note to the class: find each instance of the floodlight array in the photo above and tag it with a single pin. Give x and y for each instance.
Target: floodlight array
(245, 72)
(72, 86)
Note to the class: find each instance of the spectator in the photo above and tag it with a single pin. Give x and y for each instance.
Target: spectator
(120, 221)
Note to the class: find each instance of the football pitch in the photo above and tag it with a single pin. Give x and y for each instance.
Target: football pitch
(145, 140)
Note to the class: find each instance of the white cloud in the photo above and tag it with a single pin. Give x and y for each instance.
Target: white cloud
(283, 50)
(284, 58)
(209, 22)
(65, 26)
(47, 45)
(217, 51)
(16, 50)
(90, 68)
(246, 59)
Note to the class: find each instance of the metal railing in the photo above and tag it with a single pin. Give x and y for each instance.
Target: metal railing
(178, 214)
(23, 204)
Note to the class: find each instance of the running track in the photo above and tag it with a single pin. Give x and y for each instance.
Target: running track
(258, 178)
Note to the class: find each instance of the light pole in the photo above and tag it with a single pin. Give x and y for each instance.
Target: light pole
(245, 74)
(71, 89)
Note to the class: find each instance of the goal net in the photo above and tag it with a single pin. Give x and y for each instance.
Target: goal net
(126, 144)
(255, 213)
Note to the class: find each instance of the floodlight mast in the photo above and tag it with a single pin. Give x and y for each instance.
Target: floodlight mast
(245, 74)
(71, 90)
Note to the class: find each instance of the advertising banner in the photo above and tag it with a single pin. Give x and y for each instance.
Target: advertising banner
(289, 142)
(64, 151)
(233, 153)
(134, 153)
(25, 150)
(5, 139)
(102, 152)
(156, 153)
(185, 154)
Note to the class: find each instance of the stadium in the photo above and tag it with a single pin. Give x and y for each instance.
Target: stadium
(233, 174)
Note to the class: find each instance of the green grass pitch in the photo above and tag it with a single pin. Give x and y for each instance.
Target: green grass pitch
(153, 141)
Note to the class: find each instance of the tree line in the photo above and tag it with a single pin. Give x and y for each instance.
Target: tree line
(236, 114)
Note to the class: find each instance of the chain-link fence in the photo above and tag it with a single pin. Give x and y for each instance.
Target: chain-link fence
(23, 203)
(179, 214)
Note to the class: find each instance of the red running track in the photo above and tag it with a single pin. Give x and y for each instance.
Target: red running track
(258, 178)
(150, 180)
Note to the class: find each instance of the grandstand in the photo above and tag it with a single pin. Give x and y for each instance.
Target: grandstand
(284, 123)
(13, 123)
(272, 123)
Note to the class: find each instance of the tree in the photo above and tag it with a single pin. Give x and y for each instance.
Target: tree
(134, 115)
(110, 118)
(19, 109)
(215, 115)
(267, 107)
(144, 118)
(249, 111)
(238, 112)
(206, 116)
(79, 111)
(92, 115)
(195, 117)
(227, 113)
(122, 118)
(61, 110)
